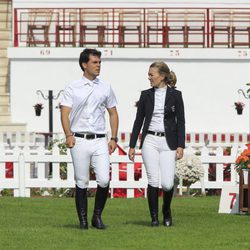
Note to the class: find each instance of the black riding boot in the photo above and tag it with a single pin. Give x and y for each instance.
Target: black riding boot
(100, 200)
(82, 206)
(166, 210)
(153, 204)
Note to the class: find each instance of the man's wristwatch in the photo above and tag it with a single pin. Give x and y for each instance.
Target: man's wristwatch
(114, 139)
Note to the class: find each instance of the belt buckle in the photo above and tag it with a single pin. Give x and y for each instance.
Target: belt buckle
(90, 136)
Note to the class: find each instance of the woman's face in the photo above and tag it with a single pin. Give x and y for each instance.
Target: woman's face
(156, 80)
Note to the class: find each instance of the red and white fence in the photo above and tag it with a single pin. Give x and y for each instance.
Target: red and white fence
(30, 169)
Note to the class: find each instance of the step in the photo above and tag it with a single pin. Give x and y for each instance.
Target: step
(5, 29)
(3, 73)
(5, 44)
(4, 104)
(4, 98)
(3, 80)
(3, 89)
(4, 25)
(5, 19)
(8, 126)
(5, 16)
(4, 63)
(5, 35)
(5, 118)
(6, 10)
(3, 7)
(3, 69)
(3, 52)
(5, 108)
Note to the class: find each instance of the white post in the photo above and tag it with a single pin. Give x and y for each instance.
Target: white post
(202, 186)
(21, 170)
(130, 178)
(180, 186)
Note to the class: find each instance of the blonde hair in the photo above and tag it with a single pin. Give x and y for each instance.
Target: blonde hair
(172, 79)
(163, 69)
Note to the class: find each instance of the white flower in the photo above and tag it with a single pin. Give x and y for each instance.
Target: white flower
(189, 168)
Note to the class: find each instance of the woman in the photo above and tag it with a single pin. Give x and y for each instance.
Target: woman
(161, 112)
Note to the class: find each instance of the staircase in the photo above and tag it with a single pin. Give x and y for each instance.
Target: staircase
(5, 42)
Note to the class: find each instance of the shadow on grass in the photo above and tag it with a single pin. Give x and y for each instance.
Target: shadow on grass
(139, 223)
(76, 226)
(72, 226)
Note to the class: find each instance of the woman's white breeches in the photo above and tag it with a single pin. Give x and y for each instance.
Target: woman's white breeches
(159, 161)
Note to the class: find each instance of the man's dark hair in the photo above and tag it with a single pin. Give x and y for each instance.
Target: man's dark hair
(84, 56)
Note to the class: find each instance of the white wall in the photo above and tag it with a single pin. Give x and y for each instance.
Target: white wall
(208, 78)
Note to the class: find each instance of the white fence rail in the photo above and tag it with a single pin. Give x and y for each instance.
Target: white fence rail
(30, 167)
(35, 139)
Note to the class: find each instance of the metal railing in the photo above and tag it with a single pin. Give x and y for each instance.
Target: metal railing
(132, 27)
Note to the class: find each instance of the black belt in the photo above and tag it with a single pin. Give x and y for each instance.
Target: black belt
(156, 133)
(89, 136)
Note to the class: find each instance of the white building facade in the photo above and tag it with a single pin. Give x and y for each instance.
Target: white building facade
(209, 78)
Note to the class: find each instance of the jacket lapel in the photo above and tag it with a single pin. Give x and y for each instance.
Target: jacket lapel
(151, 94)
(168, 94)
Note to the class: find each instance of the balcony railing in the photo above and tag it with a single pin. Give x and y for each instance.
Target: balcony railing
(132, 27)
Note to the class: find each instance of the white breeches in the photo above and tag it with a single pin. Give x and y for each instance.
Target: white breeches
(91, 153)
(159, 162)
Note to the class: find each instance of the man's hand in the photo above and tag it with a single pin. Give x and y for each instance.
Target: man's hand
(112, 146)
(70, 141)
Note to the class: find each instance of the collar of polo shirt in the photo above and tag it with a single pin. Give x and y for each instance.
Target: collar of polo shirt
(89, 82)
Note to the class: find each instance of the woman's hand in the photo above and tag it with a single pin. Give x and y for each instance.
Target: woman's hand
(131, 154)
(179, 153)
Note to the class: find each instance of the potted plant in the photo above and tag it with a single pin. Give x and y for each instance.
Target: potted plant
(239, 107)
(242, 163)
(189, 169)
(38, 108)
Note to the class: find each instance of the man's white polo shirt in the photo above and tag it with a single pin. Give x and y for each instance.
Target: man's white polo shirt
(88, 101)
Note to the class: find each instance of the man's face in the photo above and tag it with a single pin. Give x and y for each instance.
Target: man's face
(92, 67)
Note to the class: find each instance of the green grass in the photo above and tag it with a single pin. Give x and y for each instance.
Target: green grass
(51, 223)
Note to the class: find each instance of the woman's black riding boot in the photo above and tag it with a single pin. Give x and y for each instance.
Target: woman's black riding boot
(100, 200)
(153, 204)
(82, 206)
(166, 210)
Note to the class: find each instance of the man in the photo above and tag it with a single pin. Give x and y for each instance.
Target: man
(83, 120)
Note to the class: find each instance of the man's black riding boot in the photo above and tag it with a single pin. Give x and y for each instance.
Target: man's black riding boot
(153, 205)
(82, 206)
(166, 210)
(100, 200)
